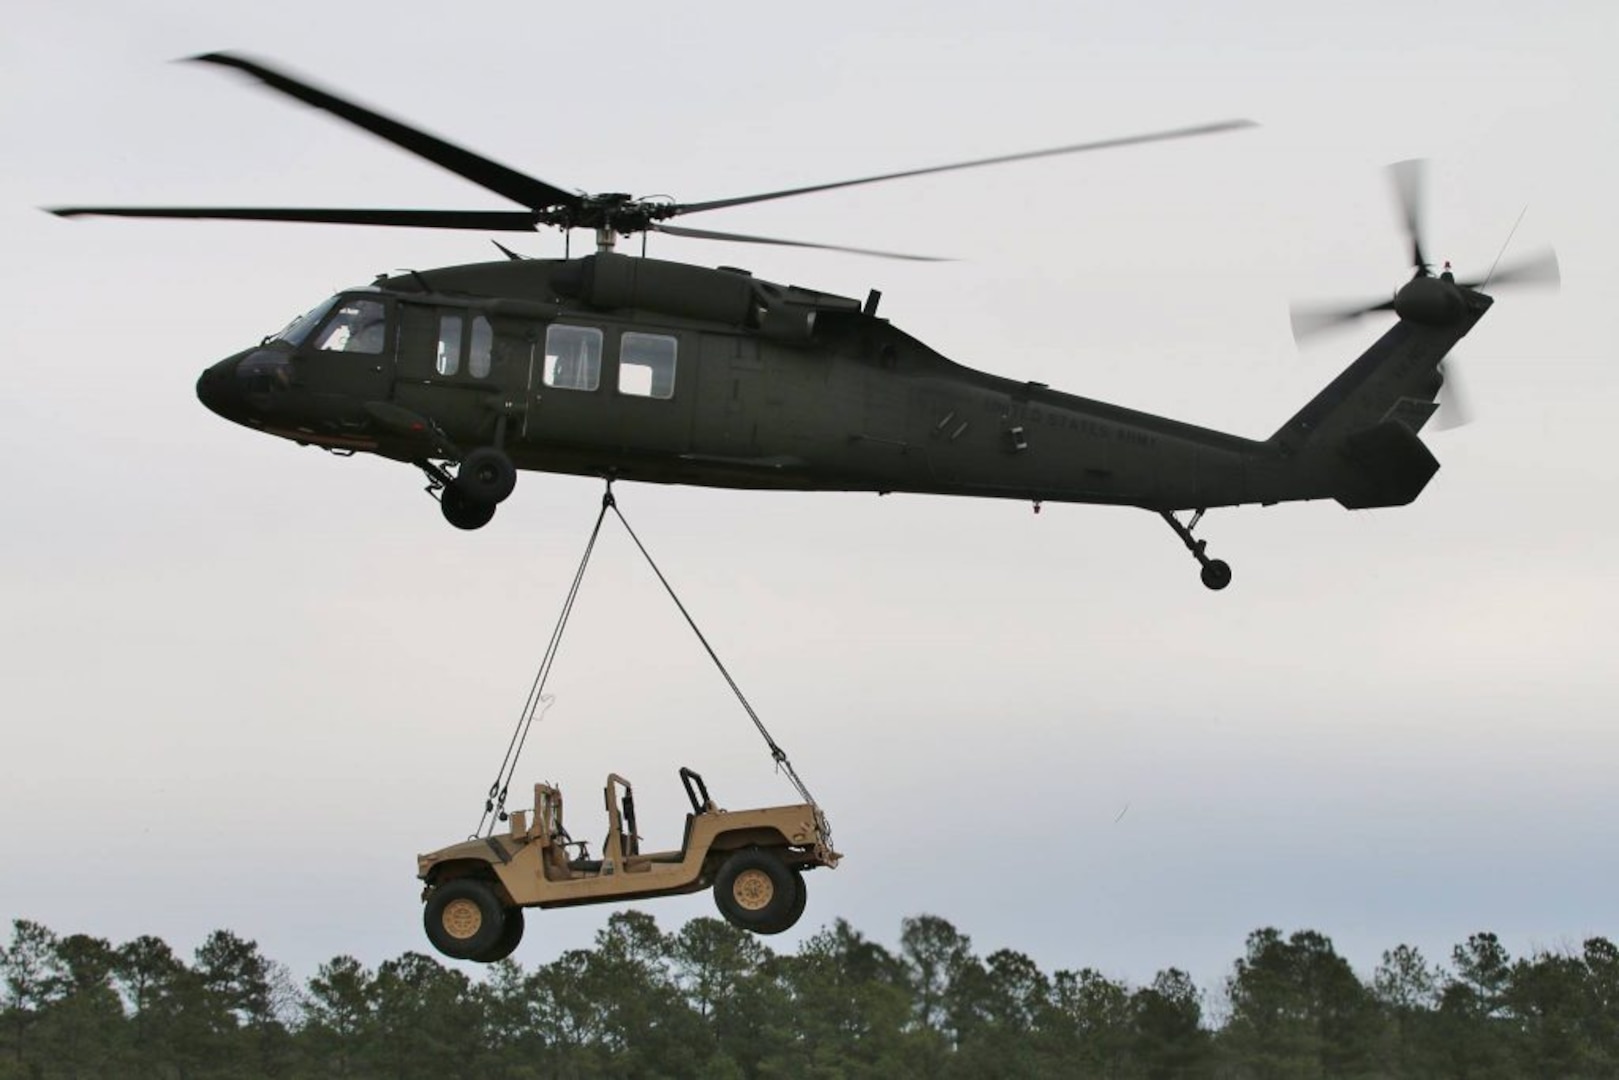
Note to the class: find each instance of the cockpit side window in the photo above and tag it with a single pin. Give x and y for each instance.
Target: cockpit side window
(573, 357)
(359, 326)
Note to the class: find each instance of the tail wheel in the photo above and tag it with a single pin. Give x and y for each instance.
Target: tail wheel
(487, 475)
(755, 891)
(462, 509)
(464, 918)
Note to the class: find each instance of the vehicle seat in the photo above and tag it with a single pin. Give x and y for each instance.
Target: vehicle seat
(685, 845)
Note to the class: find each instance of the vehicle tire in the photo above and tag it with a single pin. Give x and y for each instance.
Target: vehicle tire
(754, 891)
(487, 475)
(1216, 574)
(463, 510)
(794, 913)
(464, 918)
(511, 932)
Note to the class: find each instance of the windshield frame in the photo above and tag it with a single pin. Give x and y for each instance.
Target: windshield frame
(299, 329)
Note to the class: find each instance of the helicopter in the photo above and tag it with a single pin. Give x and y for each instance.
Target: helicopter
(635, 368)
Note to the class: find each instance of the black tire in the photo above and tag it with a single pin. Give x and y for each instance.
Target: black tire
(462, 510)
(487, 475)
(511, 933)
(754, 891)
(1216, 574)
(794, 913)
(464, 918)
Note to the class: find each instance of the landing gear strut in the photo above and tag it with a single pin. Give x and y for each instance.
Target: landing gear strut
(468, 500)
(1216, 572)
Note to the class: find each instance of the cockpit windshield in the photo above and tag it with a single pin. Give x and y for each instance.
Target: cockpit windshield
(358, 327)
(298, 329)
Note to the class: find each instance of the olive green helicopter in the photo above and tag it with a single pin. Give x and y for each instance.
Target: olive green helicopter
(634, 368)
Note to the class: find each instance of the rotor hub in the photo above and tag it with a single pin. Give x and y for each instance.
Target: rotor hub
(1430, 300)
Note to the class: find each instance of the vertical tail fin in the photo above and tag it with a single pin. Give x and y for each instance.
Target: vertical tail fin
(1361, 430)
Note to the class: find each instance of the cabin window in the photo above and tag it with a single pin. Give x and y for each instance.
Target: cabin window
(646, 365)
(358, 327)
(449, 345)
(483, 344)
(573, 357)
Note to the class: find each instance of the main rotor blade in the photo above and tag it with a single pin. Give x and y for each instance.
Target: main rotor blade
(520, 188)
(739, 238)
(1408, 179)
(1102, 144)
(482, 220)
(1538, 269)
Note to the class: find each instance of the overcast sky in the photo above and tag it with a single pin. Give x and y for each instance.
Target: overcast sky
(244, 683)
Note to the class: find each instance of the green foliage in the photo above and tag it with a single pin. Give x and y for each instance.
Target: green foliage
(1167, 1019)
(713, 1001)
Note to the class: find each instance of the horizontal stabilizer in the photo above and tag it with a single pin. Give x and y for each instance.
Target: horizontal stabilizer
(1389, 466)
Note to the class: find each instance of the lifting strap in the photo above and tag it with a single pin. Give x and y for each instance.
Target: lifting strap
(494, 805)
(494, 809)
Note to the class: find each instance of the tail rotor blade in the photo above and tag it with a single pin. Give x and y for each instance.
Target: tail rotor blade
(1308, 321)
(1455, 403)
(1538, 269)
(1407, 177)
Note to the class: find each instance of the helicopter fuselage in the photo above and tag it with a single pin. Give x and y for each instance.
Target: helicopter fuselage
(644, 370)
(639, 369)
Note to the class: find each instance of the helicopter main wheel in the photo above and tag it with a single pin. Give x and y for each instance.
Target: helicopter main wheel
(756, 892)
(464, 919)
(487, 475)
(1216, 574)
(462, 509)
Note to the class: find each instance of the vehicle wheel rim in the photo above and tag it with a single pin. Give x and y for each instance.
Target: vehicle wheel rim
(462, 919)
(753, 890)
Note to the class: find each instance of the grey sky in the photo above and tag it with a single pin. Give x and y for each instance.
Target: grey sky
(243, 683)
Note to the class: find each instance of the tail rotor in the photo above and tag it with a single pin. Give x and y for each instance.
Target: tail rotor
(1426, 298)
(1409, 179)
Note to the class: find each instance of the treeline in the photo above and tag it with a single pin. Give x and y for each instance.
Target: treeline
(711, 1001)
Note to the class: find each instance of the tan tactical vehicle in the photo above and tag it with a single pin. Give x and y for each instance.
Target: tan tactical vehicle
(754, 859)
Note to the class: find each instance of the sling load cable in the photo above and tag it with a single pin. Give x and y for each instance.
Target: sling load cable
(495, 804)
(776, 752)
(494, 807)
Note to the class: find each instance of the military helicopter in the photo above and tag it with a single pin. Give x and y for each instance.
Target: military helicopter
(636, 368)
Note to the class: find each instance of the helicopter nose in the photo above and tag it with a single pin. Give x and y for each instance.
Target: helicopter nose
(248, 385)
(218, 390)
